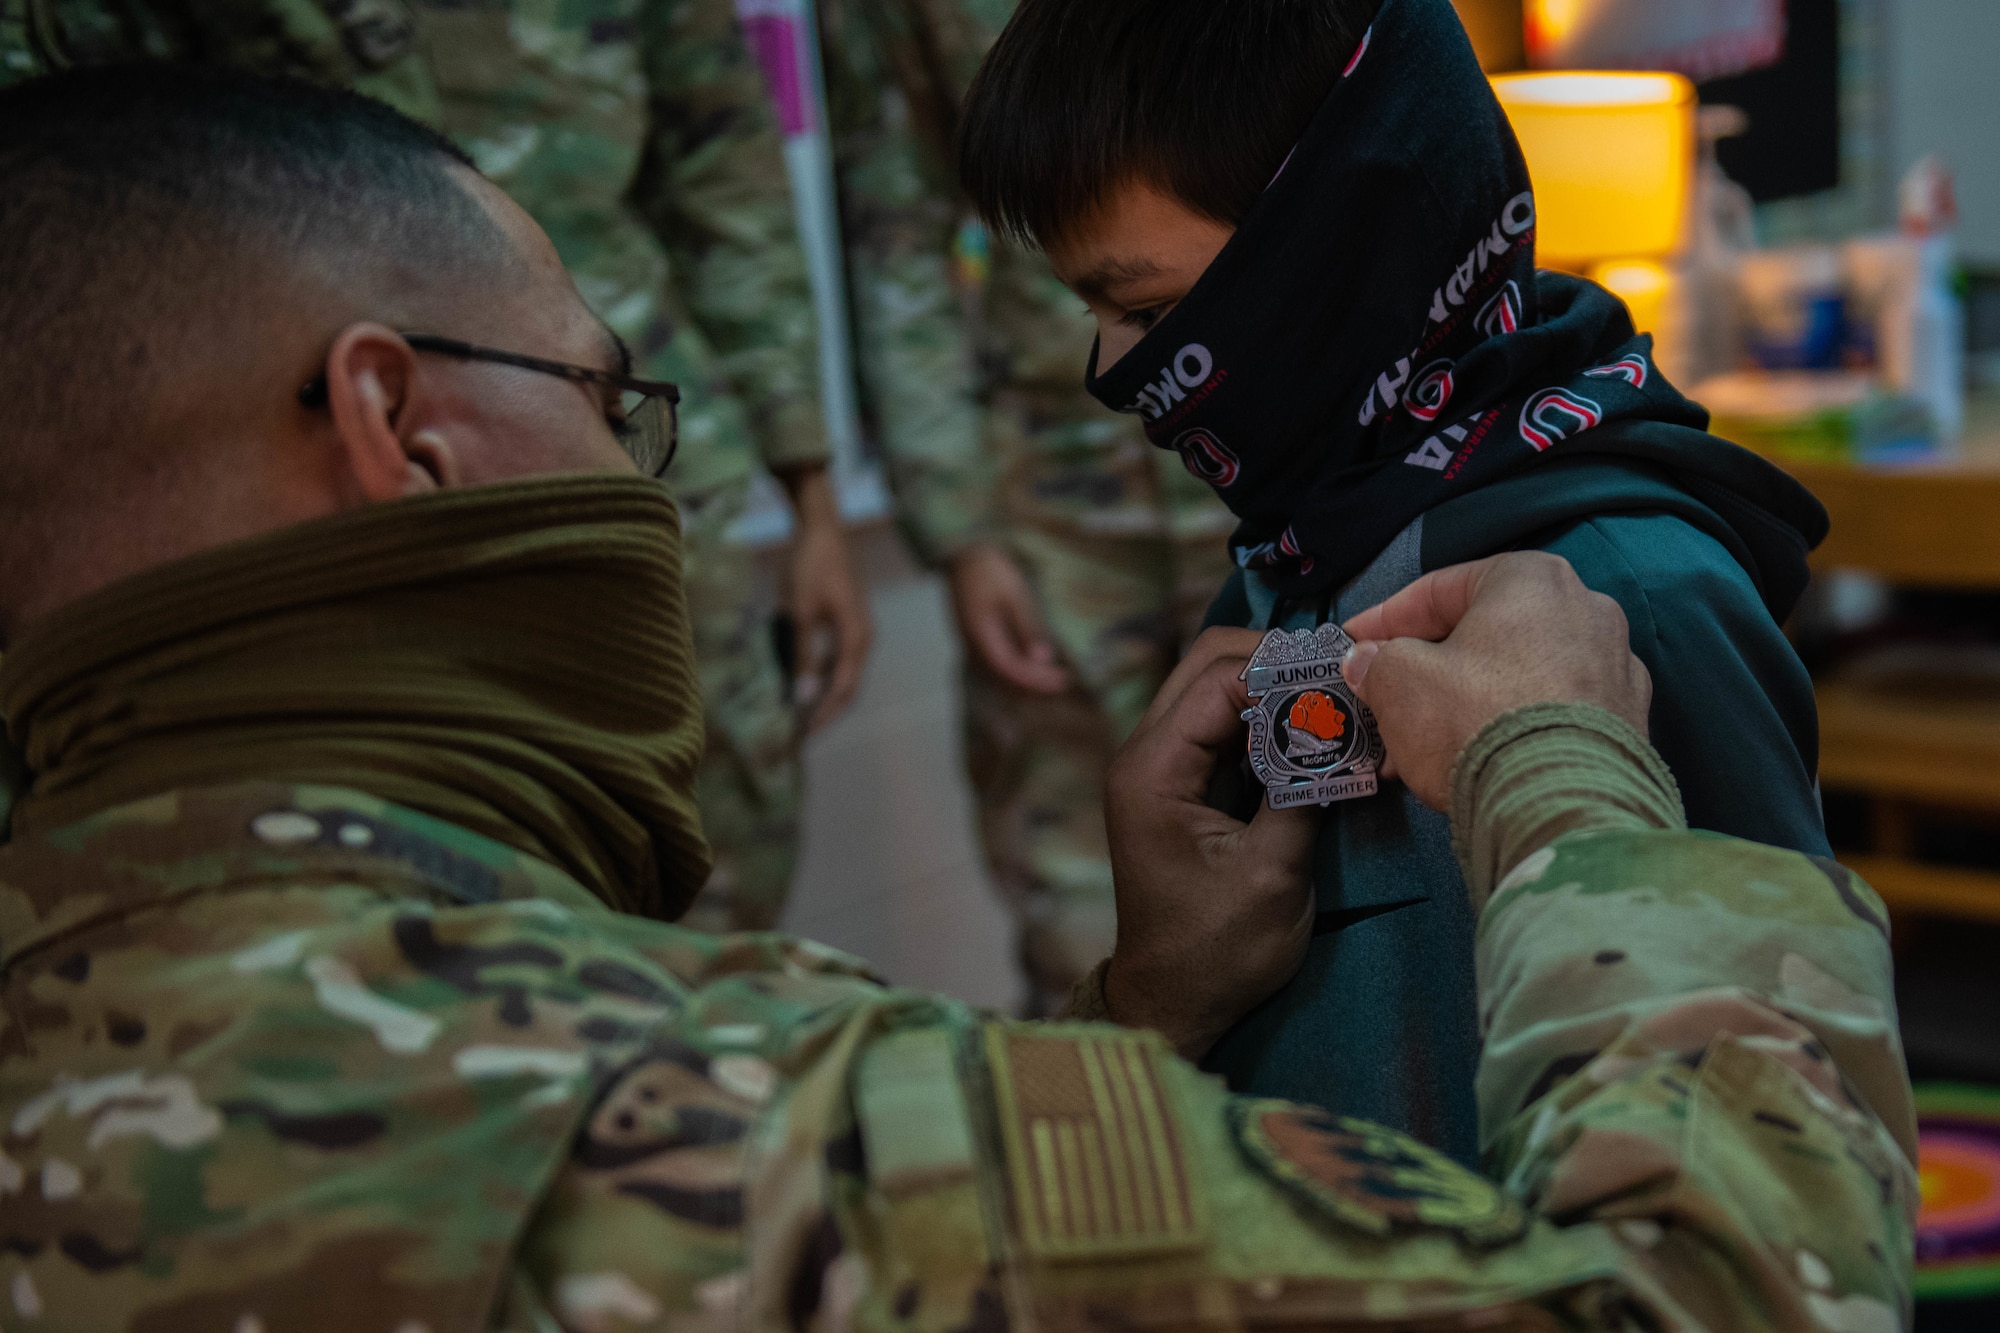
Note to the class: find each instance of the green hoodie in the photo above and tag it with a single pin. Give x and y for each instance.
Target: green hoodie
(1380, 1021)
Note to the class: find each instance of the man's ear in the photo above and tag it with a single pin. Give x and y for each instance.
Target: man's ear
(374, 394)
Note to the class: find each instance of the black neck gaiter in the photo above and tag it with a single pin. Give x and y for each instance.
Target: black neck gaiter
(1375, 339)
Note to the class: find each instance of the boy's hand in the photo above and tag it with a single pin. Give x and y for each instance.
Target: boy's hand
(1460, 646)
(1214, 915)
(999, 621)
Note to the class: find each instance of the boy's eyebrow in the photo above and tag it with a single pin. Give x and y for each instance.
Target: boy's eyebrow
(1098, 280)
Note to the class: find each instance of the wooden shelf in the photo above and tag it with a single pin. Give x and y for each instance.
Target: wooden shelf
(1910, 743)
(1939, 745)
(1925, 529)
(1933, 744)
(1930, 525)
(1912, 886)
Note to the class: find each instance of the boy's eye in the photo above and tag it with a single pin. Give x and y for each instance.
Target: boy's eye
(621, 425)
(1143, 319)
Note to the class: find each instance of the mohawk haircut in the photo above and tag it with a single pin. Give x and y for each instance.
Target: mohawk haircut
(1202, 99)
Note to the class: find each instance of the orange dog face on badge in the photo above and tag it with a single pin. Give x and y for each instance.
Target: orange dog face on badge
(1318, 715)
(1311, 742)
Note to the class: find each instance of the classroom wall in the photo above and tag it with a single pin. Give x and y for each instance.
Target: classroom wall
(1943, 77)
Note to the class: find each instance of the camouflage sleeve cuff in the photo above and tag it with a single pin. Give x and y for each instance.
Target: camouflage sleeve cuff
(1086, 999)
(943, 505)
(1536, 773)
(792, 436)
(935, 543)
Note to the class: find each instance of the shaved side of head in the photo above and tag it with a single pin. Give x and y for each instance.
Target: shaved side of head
(174, 238)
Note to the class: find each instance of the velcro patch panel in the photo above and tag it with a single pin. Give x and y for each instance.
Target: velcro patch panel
(1096, 1161)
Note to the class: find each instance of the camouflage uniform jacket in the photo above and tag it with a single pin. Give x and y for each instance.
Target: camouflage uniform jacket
(277, 1058)
(638, 133)
(972, 353)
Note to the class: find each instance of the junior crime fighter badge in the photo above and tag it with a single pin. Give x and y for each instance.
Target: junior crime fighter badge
(1311, 741)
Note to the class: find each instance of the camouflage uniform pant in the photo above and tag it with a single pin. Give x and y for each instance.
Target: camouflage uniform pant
(1121, 611)
(749, 784)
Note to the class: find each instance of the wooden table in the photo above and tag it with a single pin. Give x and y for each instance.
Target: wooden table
(1913, 744)
(1933, 525)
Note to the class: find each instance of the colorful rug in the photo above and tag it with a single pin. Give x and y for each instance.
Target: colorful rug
(1958, 1168)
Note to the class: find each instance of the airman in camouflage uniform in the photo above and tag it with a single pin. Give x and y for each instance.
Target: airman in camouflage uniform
(599, 118)
(969, 358)
(279, 1058)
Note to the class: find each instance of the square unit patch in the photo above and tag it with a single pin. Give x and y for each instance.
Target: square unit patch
(1096, 1161)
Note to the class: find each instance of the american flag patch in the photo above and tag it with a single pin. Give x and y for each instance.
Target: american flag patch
(1095, 1158)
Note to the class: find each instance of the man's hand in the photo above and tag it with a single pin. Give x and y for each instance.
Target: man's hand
(827, 604)
(999, 622)
(1459, 647)
(1213, 915)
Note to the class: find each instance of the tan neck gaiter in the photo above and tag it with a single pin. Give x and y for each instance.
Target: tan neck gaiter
(511, 658)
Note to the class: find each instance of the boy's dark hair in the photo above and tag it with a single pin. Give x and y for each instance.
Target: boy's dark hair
(136, 199)
(1202, 99)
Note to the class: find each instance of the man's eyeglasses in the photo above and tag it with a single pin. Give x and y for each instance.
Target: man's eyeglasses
(649, 424)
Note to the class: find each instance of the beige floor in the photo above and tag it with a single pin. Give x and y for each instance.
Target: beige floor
(888, 863)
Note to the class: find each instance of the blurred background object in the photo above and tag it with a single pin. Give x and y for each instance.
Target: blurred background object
(890, 863)
(1958, 1224)
(783, 35)
(1699, 38)
(1497, 31)
(1611, 154)
(780, 34)
(1844, 334)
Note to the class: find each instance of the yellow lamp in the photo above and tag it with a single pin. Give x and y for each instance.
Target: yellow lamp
(1611, 157)
(1642, 285)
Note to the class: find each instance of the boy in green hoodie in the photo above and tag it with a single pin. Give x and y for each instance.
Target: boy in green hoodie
(1307, 234)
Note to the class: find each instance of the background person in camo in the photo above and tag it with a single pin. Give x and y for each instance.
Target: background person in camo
(1080, 558)
(638, 133)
